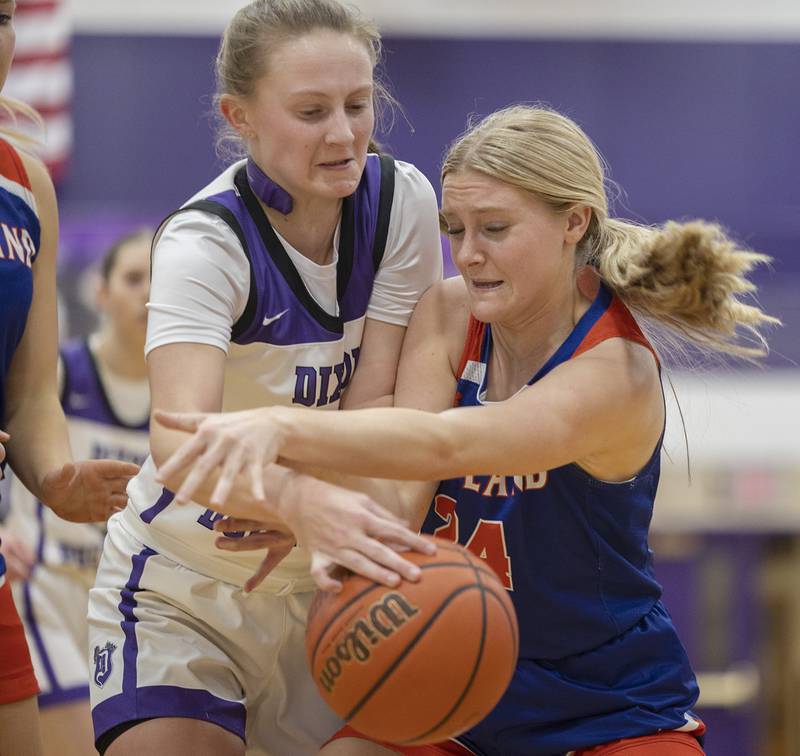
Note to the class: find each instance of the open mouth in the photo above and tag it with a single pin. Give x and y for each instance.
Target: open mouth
(486, 285)
(337, 163)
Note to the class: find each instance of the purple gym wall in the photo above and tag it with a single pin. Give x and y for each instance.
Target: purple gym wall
(689, 129)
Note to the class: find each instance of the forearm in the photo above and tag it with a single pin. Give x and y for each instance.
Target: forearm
(400, 444)
(39, 440)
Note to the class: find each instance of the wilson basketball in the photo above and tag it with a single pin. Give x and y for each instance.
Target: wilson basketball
(419, 663)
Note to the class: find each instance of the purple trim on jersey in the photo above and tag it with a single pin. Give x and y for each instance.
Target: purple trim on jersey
(63, 695)
(161, 504)
(156, 701)
(297, 324)
(268, 191)
(84, 395)
(127, 603)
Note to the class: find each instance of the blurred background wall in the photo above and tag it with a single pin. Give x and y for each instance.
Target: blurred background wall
(694, 104)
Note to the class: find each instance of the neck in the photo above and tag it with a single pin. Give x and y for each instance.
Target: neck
(310, 227)
(121, 356)
(521, 348)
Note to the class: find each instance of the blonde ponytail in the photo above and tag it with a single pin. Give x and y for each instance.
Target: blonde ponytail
(688, 277)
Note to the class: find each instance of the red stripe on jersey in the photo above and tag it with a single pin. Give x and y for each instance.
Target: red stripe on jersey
(615, 322)
(472, 344)
(11, 166)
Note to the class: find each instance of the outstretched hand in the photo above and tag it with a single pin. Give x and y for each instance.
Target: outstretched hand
(338, 527)
(88, 491)
(234, 442)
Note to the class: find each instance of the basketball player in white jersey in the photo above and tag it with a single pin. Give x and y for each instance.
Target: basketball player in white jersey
(104, 393)
(290, 279)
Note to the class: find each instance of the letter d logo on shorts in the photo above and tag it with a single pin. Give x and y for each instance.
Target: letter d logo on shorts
(102, 663)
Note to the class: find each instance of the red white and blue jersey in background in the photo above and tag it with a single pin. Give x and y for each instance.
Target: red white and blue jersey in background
(599, 657)
(19, 244)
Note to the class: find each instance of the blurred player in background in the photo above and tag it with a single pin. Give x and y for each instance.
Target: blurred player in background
(51, 562)
(33, 432)
(558, 395)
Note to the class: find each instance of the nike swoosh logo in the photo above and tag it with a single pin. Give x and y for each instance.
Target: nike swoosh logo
(268, 320)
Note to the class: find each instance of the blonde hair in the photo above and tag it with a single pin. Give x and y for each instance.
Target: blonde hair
(686, 276)
(13, 109)
(258, 28)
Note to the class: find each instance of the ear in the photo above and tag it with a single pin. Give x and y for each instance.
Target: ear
(577, 222)
(236, 114)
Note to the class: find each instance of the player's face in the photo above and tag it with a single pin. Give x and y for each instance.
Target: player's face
(123, 297)
(312, 115)
(7, 38)
(510, 247)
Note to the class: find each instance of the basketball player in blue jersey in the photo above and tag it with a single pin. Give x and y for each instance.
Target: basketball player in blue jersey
(288, 280)
(549, 463)
(33, 432)
(104, 393)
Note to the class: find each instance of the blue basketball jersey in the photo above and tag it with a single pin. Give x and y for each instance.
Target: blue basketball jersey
(599, 657)
(19, 245)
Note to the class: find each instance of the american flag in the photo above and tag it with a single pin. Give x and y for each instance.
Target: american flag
(41, 76)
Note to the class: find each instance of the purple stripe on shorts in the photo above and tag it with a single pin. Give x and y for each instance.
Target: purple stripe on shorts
(163, 502)
(127, 604)
(168, 701)
(65, 695)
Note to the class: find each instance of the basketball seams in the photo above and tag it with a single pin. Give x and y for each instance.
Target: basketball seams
(481, 645)
(410, 646)
(376, 587)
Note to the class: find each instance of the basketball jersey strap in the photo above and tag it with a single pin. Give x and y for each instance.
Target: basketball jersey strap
(344, 266)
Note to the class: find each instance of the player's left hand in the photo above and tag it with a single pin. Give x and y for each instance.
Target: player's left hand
(234, 442)
(88, 491)
(257, 536)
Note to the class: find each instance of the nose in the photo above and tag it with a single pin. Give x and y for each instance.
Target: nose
(466, 251)
(340, 131)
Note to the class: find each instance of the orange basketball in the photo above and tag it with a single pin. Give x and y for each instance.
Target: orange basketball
(419, 663)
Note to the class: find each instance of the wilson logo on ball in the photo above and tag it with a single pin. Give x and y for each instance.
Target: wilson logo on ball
(382, 619)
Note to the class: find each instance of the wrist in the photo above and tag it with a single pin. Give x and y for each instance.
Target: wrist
(283, 489)
(280, 422)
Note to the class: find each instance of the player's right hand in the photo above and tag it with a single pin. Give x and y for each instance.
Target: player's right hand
(344, 528)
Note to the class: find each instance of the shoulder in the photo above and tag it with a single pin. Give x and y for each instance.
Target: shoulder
(626, 368)
(40, 182)
(443, 314)
(412, 186)
(44, 197)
